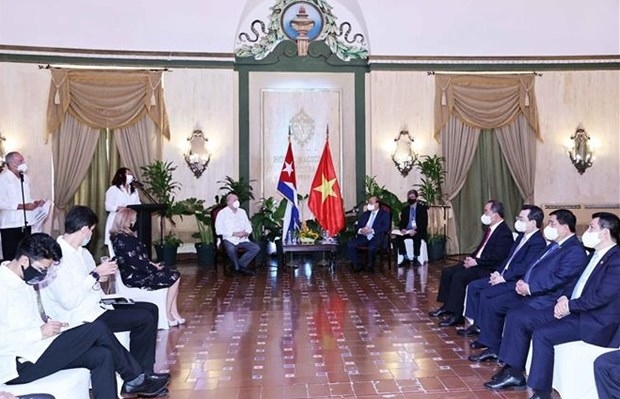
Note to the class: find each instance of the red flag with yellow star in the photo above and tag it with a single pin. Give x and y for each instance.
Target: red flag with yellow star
(325, 200)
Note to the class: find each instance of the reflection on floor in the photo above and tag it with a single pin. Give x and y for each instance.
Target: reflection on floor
(310, 333)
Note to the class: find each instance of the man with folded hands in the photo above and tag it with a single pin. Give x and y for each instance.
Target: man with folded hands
(74, 295)
(33, 346)
(588, 311)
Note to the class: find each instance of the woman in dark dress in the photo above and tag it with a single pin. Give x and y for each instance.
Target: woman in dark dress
(136, 268)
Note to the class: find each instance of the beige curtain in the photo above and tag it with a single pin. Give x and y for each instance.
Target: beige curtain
(485, 101)
(137, 145)
(518, 143)
(458, 144)
(73, 145)
(106, 99)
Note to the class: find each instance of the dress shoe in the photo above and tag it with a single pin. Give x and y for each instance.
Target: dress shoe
(452, 321)
(469, 331)
(483, 356)
(159, 376)
(501, 373)
(477, 345)
(148, 388)
(541, 395)
(438, 312)
(246, 271)
(509, 381)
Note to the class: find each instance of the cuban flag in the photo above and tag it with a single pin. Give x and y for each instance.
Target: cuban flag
(287, 186)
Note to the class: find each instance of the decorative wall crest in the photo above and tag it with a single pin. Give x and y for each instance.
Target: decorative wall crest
(302, 127)
(303, 22)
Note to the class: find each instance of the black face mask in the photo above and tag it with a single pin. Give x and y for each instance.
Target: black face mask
(411, 201)
(33, 276)
(133, 227)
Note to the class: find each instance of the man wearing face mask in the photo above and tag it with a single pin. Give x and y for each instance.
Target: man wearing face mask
(412, 224)
(588, 310)
(372, 227)
(553, 272)
(12, 205)
(74, 295)
(491, 251)
(34, 346)
(528, 245)
(233, 225)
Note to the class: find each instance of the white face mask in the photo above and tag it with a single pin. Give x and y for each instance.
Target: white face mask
(129, 179)
(485, 219)
(22, 167)
(236, 204)
(551, 233)
(591, 239)
(86, 240)
(371, 207)
(520, 226)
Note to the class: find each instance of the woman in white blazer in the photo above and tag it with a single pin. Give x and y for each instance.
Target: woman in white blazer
(120, 194)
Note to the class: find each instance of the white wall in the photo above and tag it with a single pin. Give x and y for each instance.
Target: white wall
(394, 27)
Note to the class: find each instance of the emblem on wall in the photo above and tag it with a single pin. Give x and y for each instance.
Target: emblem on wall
(302, 127)
(302, 22)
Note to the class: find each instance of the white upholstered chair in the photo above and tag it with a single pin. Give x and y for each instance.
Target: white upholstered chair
(156, 297)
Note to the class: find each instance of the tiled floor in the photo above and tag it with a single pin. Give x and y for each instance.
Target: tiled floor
(311, 333)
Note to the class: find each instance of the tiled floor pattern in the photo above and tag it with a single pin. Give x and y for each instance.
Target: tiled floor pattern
(311, 333)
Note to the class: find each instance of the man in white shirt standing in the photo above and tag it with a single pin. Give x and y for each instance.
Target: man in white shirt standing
(233, 225)
(74, 295)
(13, 207)
(34, 346)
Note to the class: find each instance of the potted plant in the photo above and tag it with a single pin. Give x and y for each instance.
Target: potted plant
(205, 246)
(267, 224)
(159, 182)
(241, 187)
(433, 173)
(372, 189)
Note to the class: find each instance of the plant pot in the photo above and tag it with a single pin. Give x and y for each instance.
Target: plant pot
(167, 253)
(436, 248)
(205, 254)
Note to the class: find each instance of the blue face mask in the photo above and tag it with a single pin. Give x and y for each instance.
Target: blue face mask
(32, 275)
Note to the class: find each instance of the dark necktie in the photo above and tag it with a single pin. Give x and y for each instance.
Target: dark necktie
(487, 234)
(550, 248)
(42, 313)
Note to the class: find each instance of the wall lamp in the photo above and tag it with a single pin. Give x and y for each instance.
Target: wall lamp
(580, 154)
(404, 158)
(198, 155)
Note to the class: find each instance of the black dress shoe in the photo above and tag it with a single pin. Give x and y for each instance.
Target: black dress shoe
(477, 345)
(483, 356)
(159, 376)
(501, 373)
(149, 388)
(541, 395)
(246, 271)
(469, 331)
(452, 321)
(509, 381)
(439, 312)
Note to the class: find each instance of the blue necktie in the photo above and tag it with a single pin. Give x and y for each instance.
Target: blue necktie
(550, 248)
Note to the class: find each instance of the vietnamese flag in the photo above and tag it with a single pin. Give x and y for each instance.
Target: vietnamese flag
(325, 199)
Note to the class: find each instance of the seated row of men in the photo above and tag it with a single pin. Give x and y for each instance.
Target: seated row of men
(526, 291)
(55, 321)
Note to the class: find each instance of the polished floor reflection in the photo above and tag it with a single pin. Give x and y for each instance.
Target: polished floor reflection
(309, 332)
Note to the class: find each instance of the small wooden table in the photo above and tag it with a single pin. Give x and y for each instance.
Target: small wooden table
(326, 249)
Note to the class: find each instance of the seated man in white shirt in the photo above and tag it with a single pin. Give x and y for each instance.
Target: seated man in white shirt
(74, 295)
(233, 225)
(31, 348)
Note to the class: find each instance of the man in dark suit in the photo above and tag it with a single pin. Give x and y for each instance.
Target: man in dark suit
(607, 375)
(493, 249)
(528, 245)
(592, 314)
(372, 227)
(413, 224)
(555, 270)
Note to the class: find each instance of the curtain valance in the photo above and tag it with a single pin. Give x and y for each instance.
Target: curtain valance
(106, 99)
(485, 102)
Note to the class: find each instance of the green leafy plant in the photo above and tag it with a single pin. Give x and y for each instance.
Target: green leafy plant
(195, 207)
(159, 182)
(267, 221)
(372, 189)
(170, 240)
(433, 174)
(241, 187)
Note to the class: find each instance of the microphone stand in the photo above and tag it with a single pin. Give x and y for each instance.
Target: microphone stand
(25, 227)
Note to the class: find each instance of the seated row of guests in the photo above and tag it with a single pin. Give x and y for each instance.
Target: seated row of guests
(80, 333)
(546, 295)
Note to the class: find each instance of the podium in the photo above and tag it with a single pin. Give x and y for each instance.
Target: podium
(143, 222)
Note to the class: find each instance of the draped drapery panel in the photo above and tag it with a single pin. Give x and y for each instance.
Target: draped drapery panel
(485, 101)
(137, 145)
(106, 99)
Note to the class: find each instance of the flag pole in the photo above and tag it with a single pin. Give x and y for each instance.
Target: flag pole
(327, 133)
(289, 132)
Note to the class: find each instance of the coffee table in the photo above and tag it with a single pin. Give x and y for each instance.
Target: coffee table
(328, 250)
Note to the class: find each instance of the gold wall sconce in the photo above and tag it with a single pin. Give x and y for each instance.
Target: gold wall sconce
(581, 154)
(404, 158)
(198, 155)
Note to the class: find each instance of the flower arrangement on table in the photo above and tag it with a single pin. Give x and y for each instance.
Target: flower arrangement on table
(306, 235)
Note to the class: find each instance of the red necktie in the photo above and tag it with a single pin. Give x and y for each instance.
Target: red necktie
(487, 234)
